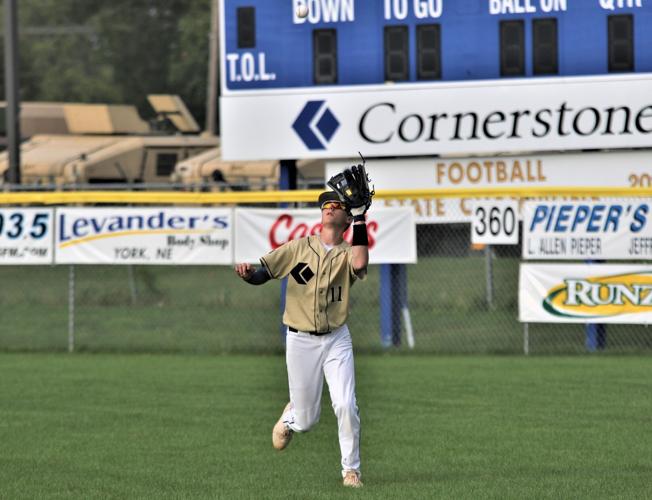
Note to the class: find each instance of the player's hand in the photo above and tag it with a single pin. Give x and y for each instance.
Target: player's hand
(359, 210)
(352, 186)
(244, 270)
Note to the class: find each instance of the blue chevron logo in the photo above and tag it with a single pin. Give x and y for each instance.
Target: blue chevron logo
(315, 125)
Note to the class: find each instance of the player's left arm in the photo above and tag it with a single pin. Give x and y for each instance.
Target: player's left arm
(360, 247)
(352, 186)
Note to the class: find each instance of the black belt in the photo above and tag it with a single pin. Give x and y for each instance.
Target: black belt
(311, 333)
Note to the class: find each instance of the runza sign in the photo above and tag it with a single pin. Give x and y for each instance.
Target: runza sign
(585, 293)
(392, 232)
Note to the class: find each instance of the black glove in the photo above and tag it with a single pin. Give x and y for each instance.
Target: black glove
(352, 186)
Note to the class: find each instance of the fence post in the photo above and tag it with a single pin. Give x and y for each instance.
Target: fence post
(71, 308)
(385, 305)
(526, 339)
(596, 336)
(287, 181)
(393, 298)
(489, 276)
(133, 290)
(595, 333)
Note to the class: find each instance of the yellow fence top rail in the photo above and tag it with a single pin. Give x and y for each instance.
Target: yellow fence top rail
(306, 196)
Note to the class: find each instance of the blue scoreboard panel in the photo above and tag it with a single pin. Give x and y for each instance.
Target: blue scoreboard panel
(265, 45)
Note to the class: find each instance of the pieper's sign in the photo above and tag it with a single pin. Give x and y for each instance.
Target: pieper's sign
(470, 117)
(596, 230)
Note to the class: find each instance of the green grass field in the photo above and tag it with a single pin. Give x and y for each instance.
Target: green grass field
(162, 426)
(197, 309)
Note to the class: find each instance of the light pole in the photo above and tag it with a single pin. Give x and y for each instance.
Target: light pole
(213, 84)
(12, 91)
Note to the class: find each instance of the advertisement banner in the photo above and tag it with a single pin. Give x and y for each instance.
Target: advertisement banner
(495, 222)
(440, 118)
(616, 169)
(391, 231)
(164, 235)
(26, 236)
(585, 293)
(588, 230)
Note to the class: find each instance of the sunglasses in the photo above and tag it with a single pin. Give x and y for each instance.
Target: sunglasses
(332, 204)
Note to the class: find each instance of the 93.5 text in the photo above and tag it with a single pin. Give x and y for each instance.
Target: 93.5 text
(15, 225)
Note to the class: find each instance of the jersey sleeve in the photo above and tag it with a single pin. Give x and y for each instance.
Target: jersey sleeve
(279, 262)
(352, 275)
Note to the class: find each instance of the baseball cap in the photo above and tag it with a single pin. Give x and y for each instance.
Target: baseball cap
(330, 196)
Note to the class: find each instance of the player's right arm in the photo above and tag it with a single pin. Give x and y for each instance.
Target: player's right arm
(252, 275)
(279, 262)
(276, 264)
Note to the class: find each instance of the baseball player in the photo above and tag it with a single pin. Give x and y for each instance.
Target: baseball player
(321, 269)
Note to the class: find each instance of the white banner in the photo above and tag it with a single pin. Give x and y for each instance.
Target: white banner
(597, 293)
(495, 222)
(441, 118)
(161, 235)
(391, 231)
(26, 235)
(616, 169)
(588, 230)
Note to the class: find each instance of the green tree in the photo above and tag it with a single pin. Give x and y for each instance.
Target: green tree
(189, 57)
(114, 51)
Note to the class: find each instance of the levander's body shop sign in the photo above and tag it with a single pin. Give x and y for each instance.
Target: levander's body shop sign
(585, 293)
(144, 236)
(588, 230)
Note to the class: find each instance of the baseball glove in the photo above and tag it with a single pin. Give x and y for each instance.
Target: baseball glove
(352, 186)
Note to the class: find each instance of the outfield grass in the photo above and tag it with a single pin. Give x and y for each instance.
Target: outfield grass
(162, 426)
(207, 309)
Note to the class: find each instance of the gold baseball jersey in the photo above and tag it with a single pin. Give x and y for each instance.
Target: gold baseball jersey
(319, 282)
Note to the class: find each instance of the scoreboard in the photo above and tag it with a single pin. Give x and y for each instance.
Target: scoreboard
(349, 42)
(347, 50)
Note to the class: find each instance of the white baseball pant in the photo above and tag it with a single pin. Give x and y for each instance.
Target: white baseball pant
(309, 359)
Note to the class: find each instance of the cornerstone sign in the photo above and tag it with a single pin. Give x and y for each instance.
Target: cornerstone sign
(443, 118)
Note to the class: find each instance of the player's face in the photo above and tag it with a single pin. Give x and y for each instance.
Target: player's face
(333, 212)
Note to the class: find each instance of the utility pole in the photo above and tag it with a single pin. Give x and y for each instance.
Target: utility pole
(213, 84)
(11, 89)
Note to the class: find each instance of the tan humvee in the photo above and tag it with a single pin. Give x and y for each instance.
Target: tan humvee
(105, 143)
(208, 169)
(61, 159)
(35, 118)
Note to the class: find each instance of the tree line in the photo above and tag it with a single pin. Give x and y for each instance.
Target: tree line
(113, 51)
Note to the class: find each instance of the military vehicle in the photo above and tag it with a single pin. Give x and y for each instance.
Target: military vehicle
(208, 170)
(35, 118)
(106, 143)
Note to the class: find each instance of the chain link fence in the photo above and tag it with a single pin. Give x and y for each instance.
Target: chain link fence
(460, 300)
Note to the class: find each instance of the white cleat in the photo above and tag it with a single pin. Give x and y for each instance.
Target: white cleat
(352, 479)
(281, 433)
